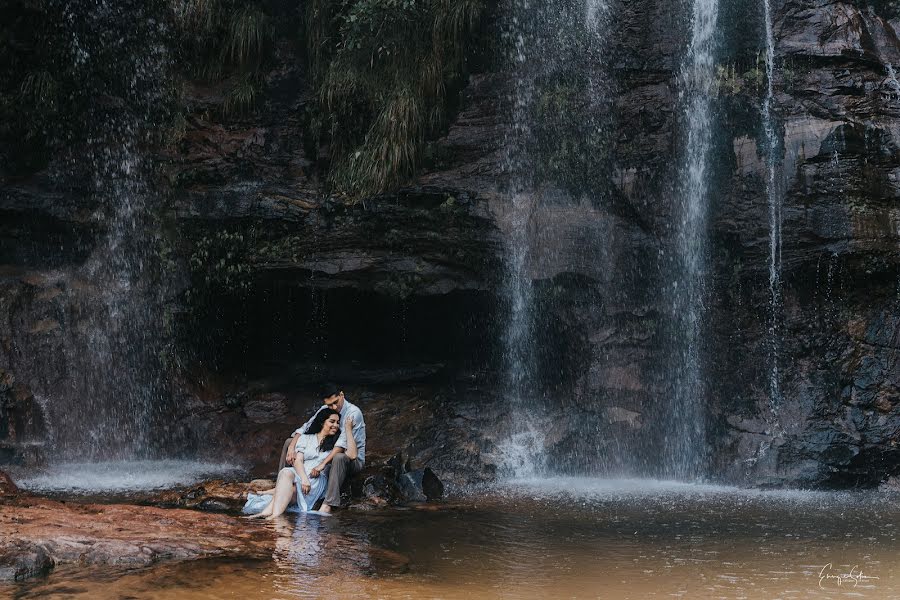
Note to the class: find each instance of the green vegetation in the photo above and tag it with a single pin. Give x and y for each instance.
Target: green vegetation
(226, 40)
(221, 259)
(382, 68)
(736, 77)
(31, 88)
(571, 146)
(71, 66)
(383, 74)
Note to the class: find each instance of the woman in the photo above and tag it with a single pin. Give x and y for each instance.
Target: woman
(294, 483)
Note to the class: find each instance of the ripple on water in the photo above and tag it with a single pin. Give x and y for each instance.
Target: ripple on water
(121, 476)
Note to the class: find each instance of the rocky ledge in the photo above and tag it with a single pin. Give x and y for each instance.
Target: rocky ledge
(37, 534)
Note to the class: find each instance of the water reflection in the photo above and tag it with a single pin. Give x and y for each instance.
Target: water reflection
(309, 548)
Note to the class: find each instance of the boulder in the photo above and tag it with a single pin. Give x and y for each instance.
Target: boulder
(421, 485)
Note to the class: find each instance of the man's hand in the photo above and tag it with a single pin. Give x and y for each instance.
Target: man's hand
(305, 486)
(315, 472)
(291, 455)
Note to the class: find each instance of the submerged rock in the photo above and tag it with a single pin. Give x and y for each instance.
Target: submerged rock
(21, 560)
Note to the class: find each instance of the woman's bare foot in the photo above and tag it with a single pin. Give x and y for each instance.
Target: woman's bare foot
(256, 516)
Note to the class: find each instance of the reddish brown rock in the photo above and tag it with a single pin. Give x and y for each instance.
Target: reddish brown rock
(37, 534)
(212, 495)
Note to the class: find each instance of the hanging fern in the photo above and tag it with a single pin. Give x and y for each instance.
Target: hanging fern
(227, 39)
(383, 68)
(248, 36)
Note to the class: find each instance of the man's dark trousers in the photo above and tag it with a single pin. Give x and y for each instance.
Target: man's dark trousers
(340, 468)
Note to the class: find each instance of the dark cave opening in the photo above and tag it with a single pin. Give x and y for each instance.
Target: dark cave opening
(281, 329)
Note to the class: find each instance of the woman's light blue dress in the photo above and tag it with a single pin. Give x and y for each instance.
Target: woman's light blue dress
(308, 446)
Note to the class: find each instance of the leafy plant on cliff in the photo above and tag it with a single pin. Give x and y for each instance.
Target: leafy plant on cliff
(569, 143)
(31, 83)
(227, 39)
(221, 259)
(383, 68)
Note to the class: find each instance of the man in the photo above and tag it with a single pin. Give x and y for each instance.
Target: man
(337, 464)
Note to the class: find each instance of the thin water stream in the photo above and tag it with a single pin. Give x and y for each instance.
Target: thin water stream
(685, 439)
(774, 198)
(577, 538)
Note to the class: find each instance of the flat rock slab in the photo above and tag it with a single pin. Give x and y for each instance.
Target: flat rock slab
(36, 534)
(210, 495)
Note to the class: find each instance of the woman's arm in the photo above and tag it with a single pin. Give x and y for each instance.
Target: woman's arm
(317, 470)
(305, 485)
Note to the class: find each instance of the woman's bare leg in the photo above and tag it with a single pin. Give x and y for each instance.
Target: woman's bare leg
(284, 492)
(284, 485)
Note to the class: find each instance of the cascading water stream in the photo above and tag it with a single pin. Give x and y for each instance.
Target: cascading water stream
(109, 395)
(546, 40)
(774, 197)
(520, 446)
(685, 439)
(104, 395)
(523, 446)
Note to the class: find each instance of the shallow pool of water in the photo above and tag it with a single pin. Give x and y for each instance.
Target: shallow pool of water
(576, 538)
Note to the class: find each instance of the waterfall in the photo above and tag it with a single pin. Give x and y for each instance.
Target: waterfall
(685, 439)
(555, 48)
(524, 442)
(111, 391)
(773, 195)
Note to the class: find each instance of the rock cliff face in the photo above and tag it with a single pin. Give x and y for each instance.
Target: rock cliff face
(273, 287)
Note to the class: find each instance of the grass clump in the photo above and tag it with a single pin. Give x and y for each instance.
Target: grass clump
(227, 39)
(383, 68)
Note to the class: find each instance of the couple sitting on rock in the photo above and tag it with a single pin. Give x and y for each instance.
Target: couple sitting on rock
(321, 455)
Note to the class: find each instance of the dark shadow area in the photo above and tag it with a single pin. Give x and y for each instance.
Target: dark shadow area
(280, 330)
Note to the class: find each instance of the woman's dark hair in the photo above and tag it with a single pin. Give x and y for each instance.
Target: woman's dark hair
(318, 422)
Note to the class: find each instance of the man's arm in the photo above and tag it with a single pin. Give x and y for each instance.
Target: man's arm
(291, 454)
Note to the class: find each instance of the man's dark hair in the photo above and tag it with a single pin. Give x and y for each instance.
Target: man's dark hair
(330, 389)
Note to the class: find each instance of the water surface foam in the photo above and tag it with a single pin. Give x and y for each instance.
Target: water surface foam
(121, 476)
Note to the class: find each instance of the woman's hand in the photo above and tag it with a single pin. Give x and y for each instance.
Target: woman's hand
(305, 486)
(348, 424)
